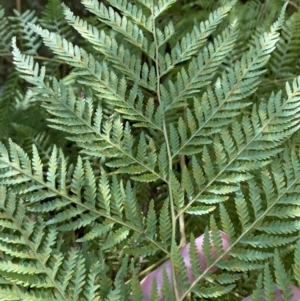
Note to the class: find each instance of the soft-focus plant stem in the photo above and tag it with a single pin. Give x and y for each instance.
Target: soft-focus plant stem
(18, 6)
(171, 201)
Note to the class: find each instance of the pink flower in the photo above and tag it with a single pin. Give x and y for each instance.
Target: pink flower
(157, 274)
(146, 283)
(295, 290)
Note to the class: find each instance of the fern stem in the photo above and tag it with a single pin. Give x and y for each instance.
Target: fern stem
(36, 57)
(170, 162)
(292, 4)
(19, 9)
(18, 6)
(153, 266)
(267, 81)
(181, 217)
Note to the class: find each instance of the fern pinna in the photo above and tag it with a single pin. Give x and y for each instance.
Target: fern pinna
(177, 133)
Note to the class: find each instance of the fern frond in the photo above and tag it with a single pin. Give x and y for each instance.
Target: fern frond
(200, 70)
(11, 95)
(21, 25)
(263, 229)
(111, 88)
(218, 107)
(162, 5)
(190, 44)
(165, 131)
(123, 25)
(6, 33)
(165, 231)
(194, 259)
(284, 58)
(111, 139)
(179, 268)
(234, 148)
(28, 136)
(121, 58)
(134, 12)
(213, 292)
(53, 19)
(137, 293)
(49, 273)
(82, 203)
(282, 278)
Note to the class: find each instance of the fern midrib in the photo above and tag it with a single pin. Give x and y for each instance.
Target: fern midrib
(235, 158)
(72, 200)
(170, 161)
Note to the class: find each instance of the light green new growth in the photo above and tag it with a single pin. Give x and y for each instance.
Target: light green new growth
(174, 133)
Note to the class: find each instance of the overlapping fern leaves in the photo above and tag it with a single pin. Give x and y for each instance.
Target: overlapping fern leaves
(184, 123)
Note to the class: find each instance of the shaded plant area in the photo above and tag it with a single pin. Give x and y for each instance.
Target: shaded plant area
(149, 150)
